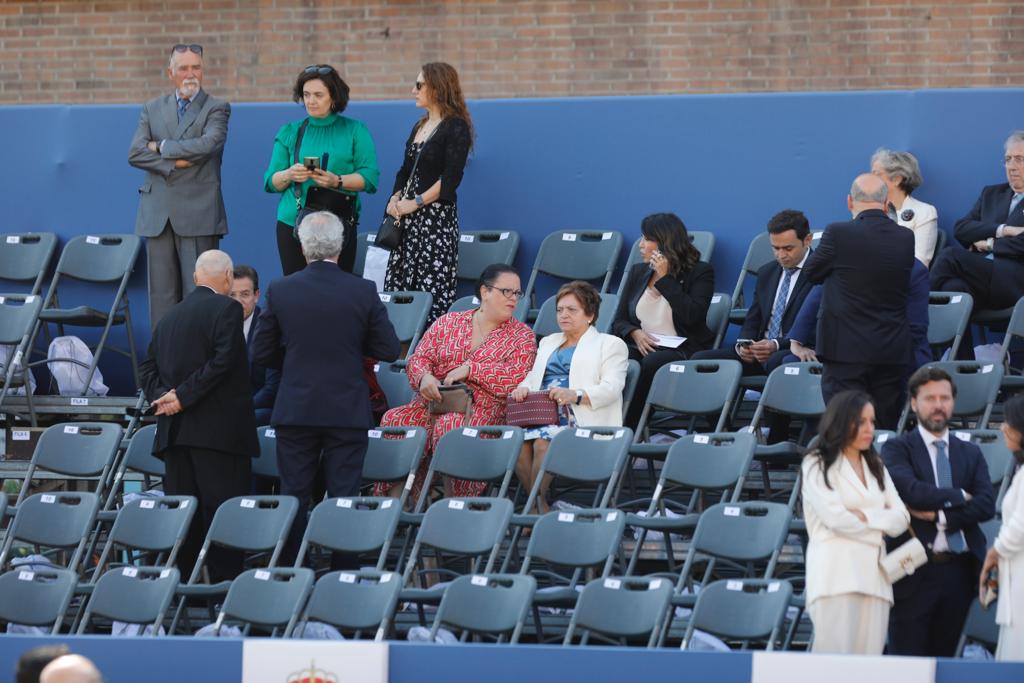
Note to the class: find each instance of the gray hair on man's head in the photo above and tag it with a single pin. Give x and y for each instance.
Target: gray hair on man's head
(321, 235)
(213, 262)
(876, 191)
(902, 164)
(1016, 137)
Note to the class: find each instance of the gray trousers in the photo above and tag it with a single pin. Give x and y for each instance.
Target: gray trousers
(171, 262)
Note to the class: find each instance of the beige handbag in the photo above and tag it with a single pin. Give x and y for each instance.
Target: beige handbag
(905, 560)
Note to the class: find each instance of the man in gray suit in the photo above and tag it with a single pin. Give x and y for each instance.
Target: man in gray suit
(179, 144)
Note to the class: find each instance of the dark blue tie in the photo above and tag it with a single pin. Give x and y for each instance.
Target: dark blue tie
(944, 474)
(182, 106)
(775, 325)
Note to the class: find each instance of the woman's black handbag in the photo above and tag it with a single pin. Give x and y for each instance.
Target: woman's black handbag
(321, 198)
(389, 234)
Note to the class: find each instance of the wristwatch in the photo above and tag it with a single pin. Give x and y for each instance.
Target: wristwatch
(419, 200)
(579, 396)
(341, 182)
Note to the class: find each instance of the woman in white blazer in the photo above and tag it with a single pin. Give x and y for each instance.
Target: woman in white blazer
(1007, 552)
(902, 175)
(849, 504)
(581, 369)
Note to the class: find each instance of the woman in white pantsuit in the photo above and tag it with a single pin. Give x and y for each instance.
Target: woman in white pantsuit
(1007, 552)
(849, 503)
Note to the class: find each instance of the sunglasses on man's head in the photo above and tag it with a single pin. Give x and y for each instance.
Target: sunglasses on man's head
(182, 47)
(322, 69)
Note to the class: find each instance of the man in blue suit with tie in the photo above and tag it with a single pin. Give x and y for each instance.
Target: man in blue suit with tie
(246, 291)
(945, 484)
(993, 270)
(317, 325)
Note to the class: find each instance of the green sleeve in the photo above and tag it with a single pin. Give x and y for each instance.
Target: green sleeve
(281, 156)
(364, 157)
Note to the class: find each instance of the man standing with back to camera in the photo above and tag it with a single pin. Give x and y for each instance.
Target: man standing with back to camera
(179, 143)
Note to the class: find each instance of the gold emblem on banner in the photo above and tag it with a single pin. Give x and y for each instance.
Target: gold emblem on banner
(312, 675)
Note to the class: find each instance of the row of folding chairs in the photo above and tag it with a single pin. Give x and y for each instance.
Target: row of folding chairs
(104, 261)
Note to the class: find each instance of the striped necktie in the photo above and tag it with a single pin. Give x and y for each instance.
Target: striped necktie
(775, 325)
(944, 474)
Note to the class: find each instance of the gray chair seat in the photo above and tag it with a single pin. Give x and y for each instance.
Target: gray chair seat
(85, 316)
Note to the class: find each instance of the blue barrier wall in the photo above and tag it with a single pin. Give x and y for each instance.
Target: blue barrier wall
(722, 162)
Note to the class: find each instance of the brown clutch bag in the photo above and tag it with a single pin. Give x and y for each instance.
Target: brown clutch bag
(455, 398)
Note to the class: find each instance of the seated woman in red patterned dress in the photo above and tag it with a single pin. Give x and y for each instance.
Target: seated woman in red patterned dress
(486, 348)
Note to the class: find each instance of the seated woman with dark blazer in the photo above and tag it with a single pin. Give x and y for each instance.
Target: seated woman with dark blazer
(666, 295)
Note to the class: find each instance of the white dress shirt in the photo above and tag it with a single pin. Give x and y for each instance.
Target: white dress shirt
(941, 545)
(247, 323)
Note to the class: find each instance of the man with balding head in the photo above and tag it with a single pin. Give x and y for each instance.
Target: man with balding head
(196, 378)
(863, 337)
(70, 669)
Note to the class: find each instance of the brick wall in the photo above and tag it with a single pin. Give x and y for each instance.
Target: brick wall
(79, 51)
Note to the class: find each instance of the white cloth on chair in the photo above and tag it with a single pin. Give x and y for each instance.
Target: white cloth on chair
(70, 376)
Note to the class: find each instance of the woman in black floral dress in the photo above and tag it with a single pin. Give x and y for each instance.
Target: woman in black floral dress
(424, 199)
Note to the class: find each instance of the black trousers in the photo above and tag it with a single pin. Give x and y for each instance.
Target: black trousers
(777, 423)
(212, 477)
(301, 453)
(885, 384)
(290, 251)
(958, 270)
(927, 622)
(649, 365)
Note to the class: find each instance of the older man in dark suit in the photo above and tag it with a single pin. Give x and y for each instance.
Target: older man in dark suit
(317, 326)
(196, 377)
(179, 143)
(993, 270)
(944, 482)
(863, 337)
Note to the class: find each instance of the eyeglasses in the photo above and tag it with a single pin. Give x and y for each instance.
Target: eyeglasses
(182, 47)
(322, 69)
(419, 85)
(1018, 160)
(507, 293)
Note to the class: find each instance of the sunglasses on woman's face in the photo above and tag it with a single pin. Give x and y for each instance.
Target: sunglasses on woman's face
(322, 69)
(182, 47)
(419, 85)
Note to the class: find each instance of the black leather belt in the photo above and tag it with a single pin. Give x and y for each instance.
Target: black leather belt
(945, 558)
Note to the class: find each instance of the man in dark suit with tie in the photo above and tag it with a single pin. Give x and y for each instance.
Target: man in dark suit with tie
(863, 338)
(945, 485)
(778, 293)
(196, 377)
(246, 291)
(993, 270)
(179, 143)
(317, 326)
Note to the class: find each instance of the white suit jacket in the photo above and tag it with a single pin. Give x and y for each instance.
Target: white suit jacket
(843, 552)
(1010, 546)
(925, 225)
(598, 368)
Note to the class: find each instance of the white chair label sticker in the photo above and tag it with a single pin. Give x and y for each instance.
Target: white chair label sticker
(731, 511)
(503, 236)
(48, 498)
(79, 401)
(676, 368)
(469, 431)
(478, 580)
(130, 572)
(465, 238)
(373, 433)
(569, 237)
(774, 587)
(13, 239)
(164, 573)
(261, 575)
(410, 433)
(611, 516)
(346, 577)
(270, 433)
(701, 438)
(20, 435)
(789, 370)
(733, 585)
(344, 502)
(26, 576)
(956, 299)
(583, 433)
(409, 481)
(385, 297)
(70, 429)
(92, 239)
(654, 585)
(385, 504)
(963, 436)
(507, 434)
(456, 504)
(566, 516)
(384, 578)
(881, 438)
(817, 234)
(248, 503)
(716, 298)
(606, 236)
(614, 584)
(619, 433)
(371, 237)
(147, 504)
(183, 504)
(985, 369)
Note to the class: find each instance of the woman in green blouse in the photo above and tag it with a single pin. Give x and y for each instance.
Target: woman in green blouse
(351, 160)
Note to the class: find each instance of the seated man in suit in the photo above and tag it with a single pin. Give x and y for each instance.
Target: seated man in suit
(864, 266)
(246, 291)
(945, 485)
(778, 294)
(993, 270)
(317, 325)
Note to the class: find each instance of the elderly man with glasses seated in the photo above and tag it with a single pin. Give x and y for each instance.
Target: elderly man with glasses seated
(992, 271)
(179, 143)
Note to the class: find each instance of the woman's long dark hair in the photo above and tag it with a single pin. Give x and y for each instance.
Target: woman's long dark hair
(669, 231)
(1013, 415)
(443, 81)
(838, 428)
